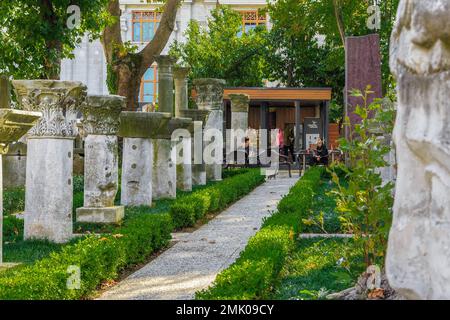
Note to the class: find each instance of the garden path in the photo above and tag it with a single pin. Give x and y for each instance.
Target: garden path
(194, 261)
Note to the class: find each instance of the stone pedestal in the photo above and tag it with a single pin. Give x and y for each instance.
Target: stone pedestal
(49, 185)
(418, 259)
(101, 174)
(138, 129)
(15, 166)
(13, 125)
(164, 164)
(198, 166)
(184, 147)
(210, 98)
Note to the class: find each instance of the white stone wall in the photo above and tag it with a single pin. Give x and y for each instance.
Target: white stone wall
(89, 65)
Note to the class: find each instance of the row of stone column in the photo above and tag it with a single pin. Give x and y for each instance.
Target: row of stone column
(149, 169)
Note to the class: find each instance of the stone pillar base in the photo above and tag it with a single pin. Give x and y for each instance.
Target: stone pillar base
(137, 172)
(101, 215)
(198, 175)
(164, 179)
(214, 172)
(49, 189)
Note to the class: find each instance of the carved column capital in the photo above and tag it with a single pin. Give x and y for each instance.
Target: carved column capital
(209, 93)
(239, 102)
(101, 114)
(59, 102)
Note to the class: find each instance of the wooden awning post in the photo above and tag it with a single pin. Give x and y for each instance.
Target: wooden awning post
(298, 122)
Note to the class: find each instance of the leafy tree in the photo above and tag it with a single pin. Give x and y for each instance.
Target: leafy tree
(222, 51)
(35, 35)
(307, 42)
(126, 66)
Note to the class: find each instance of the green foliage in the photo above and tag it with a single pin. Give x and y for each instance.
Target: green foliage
(99, 258)
(13, 201)
(365, 203)
(35, 36)
(319, 267)
(255, 271)
(220, 52)
(187, 210)
(297, 57)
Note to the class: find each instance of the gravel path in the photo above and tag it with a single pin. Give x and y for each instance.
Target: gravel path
(194, 261)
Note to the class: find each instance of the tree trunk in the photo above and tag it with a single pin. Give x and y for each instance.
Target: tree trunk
(128, 68)
(52, 66)
(339, 20)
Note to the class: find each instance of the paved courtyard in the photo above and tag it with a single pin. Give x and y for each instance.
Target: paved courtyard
(194, 261)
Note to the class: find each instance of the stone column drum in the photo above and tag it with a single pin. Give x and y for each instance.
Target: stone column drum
(418, 255)
(239, 125)
(181, 89)
(101, 173)
(13, 125)
(183, 152)
(165, 84)
(138, 129)
(49, 180)
(210, 97)
(198, 166)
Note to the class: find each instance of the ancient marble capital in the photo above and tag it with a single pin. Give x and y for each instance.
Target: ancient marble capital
(59, 102)
(149, 125)
(14, 124)
(418, 259)
(101, 114)
(239, 102)
(209, 93)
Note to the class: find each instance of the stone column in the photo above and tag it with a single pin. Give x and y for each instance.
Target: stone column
(418, 259)
(210, 98)
(165, 85)
(181, 89)
(239, 126)
(13, 125)
(138, 129)
(49, 183)
(184, 161)
(198, 121)
(164, 165)
(101, 158)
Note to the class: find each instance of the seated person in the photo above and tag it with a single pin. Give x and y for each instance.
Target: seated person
(320, 155)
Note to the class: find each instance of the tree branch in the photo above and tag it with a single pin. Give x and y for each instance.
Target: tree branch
(162, 35)
(111, 36)
(339, 20)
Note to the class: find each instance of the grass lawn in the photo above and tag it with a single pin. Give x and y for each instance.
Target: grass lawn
(319, 267)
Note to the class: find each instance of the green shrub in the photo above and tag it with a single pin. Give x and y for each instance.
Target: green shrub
(13, 201)
(253, 275)
(99, 258)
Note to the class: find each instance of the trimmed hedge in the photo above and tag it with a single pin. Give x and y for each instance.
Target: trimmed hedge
(254, 273)
(187, 210)
(99, 259)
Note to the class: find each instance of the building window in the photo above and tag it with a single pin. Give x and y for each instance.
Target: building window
(149, 86)
(252, 19)
(145, 24)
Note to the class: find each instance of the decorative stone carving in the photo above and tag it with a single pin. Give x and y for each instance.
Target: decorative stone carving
(13, 125)
(239, 102)
(59, 102)
(210, 97)
(49, 183)
(101, 174)
(209, 93)
(418, 257)
(101, 114)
